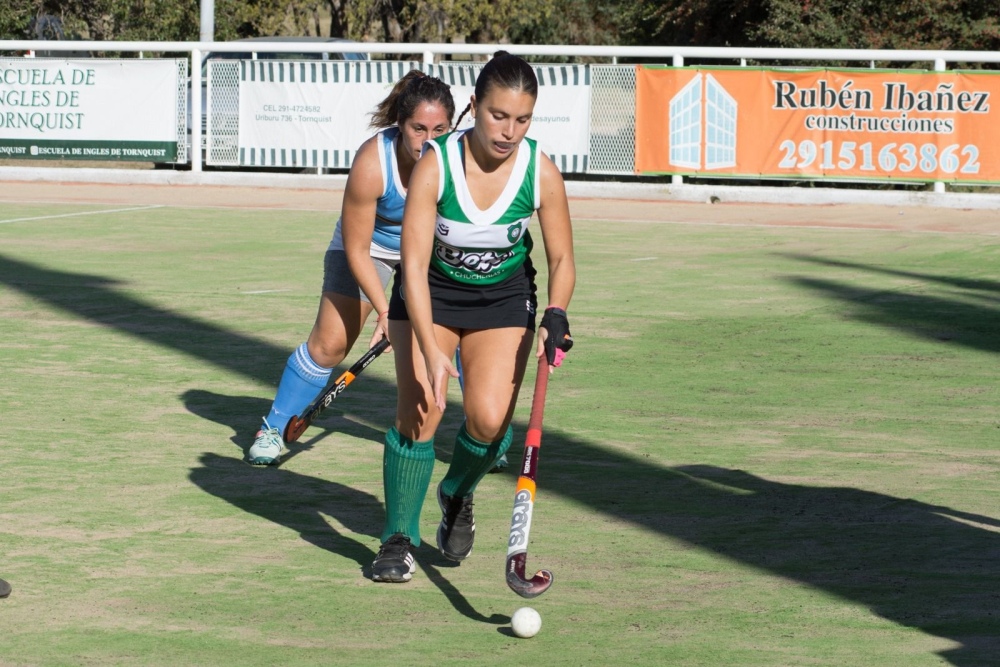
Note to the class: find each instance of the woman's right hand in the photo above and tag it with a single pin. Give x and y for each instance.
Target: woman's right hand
(381, 331)
(439, 368)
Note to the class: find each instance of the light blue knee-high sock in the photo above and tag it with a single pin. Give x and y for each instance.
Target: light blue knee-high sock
(300, 384)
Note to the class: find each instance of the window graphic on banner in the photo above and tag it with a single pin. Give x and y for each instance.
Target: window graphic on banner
(685, 126)
(898, 125)
(718, 108)
(720, 126)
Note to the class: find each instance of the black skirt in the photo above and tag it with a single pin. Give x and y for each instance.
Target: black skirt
(509, 303)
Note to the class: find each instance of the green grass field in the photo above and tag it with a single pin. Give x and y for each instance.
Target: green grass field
(768, 447)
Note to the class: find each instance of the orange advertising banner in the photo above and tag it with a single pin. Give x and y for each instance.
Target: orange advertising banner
(825, 123)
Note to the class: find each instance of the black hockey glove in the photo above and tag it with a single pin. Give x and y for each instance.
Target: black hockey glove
(559, 340)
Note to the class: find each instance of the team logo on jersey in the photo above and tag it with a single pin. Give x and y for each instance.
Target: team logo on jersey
(482, 262)
(442, 229)
(514, 232)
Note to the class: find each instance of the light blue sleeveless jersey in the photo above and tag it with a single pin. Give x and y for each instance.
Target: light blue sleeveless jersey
(389, 209)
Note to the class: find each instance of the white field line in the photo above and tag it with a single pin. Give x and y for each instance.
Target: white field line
(267, 291)
(73, 215)
(970, 522)
(241, 207)
(638, 221)
(777, 225)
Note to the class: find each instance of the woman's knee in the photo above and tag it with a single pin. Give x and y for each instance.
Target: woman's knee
(327, 351)
(417, 419)
(487, 427)
(338, 324)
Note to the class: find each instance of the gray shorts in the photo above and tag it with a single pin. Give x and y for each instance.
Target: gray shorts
(337, 276)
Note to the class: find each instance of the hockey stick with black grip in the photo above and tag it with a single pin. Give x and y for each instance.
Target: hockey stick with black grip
(524, 498)
(297, 425)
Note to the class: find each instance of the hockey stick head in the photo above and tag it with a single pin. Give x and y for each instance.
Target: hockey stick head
(526, 588)
(294, 429)
(524, 499)
(297, 425)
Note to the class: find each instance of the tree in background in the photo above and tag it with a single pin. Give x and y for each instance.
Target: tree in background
(691, 22)
(100, 20)
(846, 24)
(372, 20)
(882, 24)
(15, 19)
(891, 24)
(416, 21)
(162, 20)
(576, 22)
(236, 19)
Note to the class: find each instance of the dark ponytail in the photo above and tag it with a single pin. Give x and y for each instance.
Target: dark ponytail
(409, 93)
(504, 70)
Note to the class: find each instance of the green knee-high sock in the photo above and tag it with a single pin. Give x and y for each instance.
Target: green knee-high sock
(406, 474)
(471, 461)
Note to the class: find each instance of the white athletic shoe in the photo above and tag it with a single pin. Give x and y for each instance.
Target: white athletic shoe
(266, 448)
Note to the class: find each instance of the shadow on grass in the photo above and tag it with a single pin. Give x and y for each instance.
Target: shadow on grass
(287, 498)
(302, 503)
(242, 415)
(972, 319)
(918, 565)
(296, 501)
(921, 566)
(98, 299)
(974, 284)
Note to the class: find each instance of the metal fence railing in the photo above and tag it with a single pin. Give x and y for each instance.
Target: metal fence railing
(206, 108)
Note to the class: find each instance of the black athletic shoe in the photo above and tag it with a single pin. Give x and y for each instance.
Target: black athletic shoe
(394, 562)
(458, 527)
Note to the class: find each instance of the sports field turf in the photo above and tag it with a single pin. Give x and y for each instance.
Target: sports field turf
(770, 446)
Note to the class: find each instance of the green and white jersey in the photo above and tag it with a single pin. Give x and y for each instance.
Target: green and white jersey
(479, 247)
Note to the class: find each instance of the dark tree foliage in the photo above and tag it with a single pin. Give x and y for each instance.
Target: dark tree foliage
(691, 22)
(883, 24)
(15, 20)
(577, 22)
(848, 24)
(100, 20)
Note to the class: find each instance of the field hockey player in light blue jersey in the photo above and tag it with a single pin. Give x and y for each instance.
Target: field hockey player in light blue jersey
(466, 282)
(364, 250)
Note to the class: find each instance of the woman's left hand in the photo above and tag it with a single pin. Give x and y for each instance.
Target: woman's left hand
(439, 368)
(554, 338)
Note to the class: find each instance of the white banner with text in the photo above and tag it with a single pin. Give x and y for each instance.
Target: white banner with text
(316, 114)
(91, 109)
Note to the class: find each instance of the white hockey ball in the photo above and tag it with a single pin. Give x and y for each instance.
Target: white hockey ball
(526, 622)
